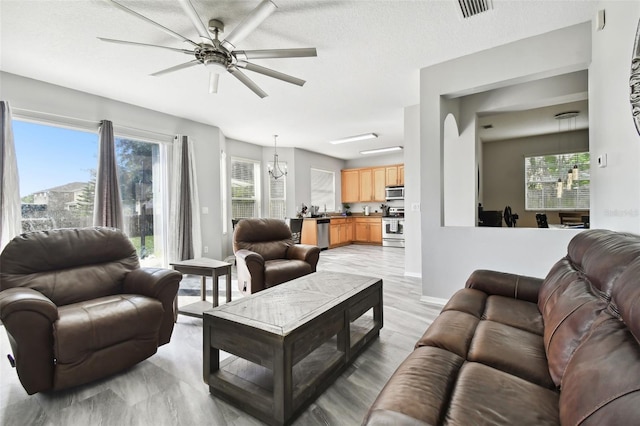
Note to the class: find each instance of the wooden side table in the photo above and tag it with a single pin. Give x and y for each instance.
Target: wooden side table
(204, 267)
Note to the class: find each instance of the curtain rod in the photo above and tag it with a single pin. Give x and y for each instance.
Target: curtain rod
(32, 114)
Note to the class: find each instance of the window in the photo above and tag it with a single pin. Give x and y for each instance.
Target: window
(57, 172)
(542, 187)
(323, 192)
(245, 184)
(140, 177)
(57, 168)
(278, 195)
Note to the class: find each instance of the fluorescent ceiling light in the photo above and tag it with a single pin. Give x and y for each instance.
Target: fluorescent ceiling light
(355, 138)
(377, 151)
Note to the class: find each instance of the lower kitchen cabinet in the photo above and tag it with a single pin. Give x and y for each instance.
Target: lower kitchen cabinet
(367, 230)
(340, 232)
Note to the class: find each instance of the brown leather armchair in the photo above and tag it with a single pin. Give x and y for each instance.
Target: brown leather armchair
(77, 306)
(267, 256)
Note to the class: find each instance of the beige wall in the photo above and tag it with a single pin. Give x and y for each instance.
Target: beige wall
(503, 170)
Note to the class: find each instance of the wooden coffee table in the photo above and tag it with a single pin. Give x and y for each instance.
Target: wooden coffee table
(290, 342)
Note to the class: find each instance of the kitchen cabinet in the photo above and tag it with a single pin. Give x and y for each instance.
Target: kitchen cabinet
(309, 232)
(372, 183)
(350, 186)
(340, 231)
(366, 185)
(394, 175)
(367, 230)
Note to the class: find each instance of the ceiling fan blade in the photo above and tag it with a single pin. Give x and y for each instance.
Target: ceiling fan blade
(135, 43)
(188, 8)
(276, 53)
(177, 67)
(271, 73)
(214, 77)
(161, 27)
(249, 23)
(247, 81)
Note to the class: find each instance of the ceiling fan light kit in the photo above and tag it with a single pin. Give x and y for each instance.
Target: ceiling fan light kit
(219, 56)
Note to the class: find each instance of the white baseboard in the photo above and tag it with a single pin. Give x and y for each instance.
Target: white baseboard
(413, 274)
(433, 300)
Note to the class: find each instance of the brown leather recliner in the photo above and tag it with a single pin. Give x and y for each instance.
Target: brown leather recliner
(267, 256)
(77, 306)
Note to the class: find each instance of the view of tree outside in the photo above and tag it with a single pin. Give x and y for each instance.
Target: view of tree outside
(543, 175)
(245, 181)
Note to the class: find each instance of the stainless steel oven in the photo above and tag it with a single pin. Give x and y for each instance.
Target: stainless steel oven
(393, 228)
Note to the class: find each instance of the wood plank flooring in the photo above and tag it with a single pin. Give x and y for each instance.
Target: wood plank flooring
(167, 389)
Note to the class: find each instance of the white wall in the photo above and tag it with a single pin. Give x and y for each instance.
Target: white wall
(413, 207)
(51, 100)
(616, 189)
(450, 254)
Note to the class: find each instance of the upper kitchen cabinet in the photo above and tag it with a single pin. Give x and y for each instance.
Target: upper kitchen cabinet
(367, 184)
(372, 183)
(394, 175)
(350, 186)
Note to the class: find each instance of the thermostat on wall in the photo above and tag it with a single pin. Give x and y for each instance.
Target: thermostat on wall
(602, 160)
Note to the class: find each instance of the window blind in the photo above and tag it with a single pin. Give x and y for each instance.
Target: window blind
(541, 182)
(323, 190)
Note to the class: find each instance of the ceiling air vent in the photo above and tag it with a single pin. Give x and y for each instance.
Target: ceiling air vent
(473, 7)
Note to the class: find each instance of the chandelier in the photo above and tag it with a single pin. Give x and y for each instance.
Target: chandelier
(275, 170)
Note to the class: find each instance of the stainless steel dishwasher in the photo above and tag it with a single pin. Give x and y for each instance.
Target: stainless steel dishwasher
(323, 233)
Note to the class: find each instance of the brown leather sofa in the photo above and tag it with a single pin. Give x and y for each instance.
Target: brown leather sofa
(515, 350)
(266, 254)
(77, 306)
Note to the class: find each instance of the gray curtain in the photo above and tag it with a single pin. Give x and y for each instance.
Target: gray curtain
(10, 204)
(185, 241)
(107, 208)
(185, 209)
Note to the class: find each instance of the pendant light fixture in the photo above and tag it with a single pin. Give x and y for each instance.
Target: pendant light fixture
(275, 170)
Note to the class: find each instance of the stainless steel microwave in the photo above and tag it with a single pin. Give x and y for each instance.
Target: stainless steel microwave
(394, 193)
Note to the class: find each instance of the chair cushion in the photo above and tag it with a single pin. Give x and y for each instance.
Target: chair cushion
(279, 271)
(88, 327)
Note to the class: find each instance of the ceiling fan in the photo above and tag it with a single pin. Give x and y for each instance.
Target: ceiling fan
(222, 55)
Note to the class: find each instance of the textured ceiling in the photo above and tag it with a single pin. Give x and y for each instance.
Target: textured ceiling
(366, 72)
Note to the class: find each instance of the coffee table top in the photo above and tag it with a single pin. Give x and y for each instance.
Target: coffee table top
(283, 308)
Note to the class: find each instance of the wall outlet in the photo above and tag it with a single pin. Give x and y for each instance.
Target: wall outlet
(206, 249)
(602, 160)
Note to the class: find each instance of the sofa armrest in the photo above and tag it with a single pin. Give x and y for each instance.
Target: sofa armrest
(28, 317)
(250, 270)
(505, 284)
(158, 283)
(308, 253)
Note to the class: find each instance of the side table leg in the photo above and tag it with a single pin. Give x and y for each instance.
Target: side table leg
(215, 289)
(228, 284)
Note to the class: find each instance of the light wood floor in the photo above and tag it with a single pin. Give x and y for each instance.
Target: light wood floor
(167, 389)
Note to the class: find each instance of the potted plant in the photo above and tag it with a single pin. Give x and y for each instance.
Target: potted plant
(346, 208)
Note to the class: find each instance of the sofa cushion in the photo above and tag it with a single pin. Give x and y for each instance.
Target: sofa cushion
(69, 265)
(511, 350)
(421, 387)
(484, 395)
(607, 363)
(87, 327)
(279, 271)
